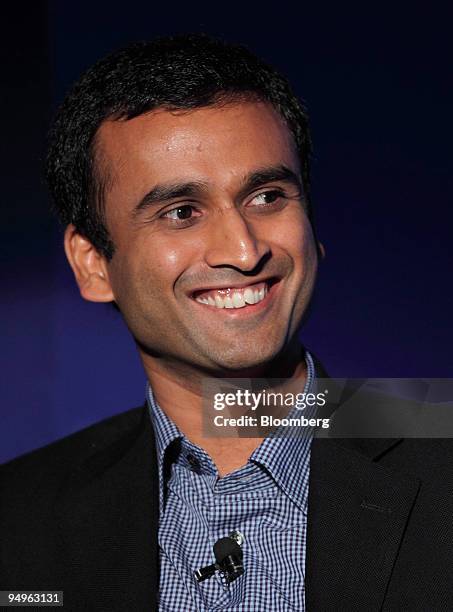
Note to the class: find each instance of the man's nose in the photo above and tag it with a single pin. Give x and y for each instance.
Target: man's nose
(233, 242)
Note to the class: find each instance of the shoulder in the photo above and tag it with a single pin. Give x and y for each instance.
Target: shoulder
(50, 463)
(58, 502)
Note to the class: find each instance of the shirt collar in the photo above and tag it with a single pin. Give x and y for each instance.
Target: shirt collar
(166, 433)
(286, 458)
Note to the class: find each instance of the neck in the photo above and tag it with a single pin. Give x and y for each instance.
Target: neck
(177, 388)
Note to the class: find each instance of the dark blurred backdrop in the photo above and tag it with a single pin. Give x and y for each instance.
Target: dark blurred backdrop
(378, 87)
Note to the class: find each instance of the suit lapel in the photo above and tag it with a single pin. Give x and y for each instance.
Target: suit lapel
(357, 513)
(108, 519)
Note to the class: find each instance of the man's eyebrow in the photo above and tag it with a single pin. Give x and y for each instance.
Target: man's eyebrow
(169, 191)
(258, 178)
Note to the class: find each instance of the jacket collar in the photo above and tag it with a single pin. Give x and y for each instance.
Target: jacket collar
(357, 514)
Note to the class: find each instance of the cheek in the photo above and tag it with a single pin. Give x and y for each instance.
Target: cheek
(295, 236)
(162, 264)
(149, 270)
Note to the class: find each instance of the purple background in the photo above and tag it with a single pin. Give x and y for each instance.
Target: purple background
(378, 87)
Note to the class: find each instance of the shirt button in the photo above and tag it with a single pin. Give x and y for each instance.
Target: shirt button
(193, 461)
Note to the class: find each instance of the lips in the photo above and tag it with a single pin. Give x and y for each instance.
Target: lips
(234, 297)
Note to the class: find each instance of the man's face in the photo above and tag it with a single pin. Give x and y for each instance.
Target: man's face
(215, 257)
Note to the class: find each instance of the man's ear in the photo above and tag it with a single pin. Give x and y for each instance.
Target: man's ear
(89, 267)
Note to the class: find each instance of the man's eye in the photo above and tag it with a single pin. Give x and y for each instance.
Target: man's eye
(267, 198)
(180, 213)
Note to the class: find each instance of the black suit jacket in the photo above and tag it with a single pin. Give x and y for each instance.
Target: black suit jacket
(81, 515)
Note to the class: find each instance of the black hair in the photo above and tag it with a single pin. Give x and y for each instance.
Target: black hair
(179, 72)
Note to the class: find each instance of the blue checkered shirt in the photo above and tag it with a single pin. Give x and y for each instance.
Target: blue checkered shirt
(265, 500)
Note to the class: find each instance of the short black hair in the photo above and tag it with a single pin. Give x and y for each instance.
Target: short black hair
(178, 72)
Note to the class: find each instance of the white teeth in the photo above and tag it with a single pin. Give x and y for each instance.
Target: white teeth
(248, 296)
(219, 302)
(238, 300)
(235, 298)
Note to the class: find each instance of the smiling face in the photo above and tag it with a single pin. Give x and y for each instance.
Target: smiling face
(215, 258)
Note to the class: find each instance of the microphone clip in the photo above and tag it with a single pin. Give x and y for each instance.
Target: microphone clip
(229, 559)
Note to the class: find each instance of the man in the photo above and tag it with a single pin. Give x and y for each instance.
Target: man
(180, 169)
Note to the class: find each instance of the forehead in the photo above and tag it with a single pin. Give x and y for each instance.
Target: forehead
(217, 145)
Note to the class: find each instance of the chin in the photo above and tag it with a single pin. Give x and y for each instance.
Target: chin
(235, 361)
